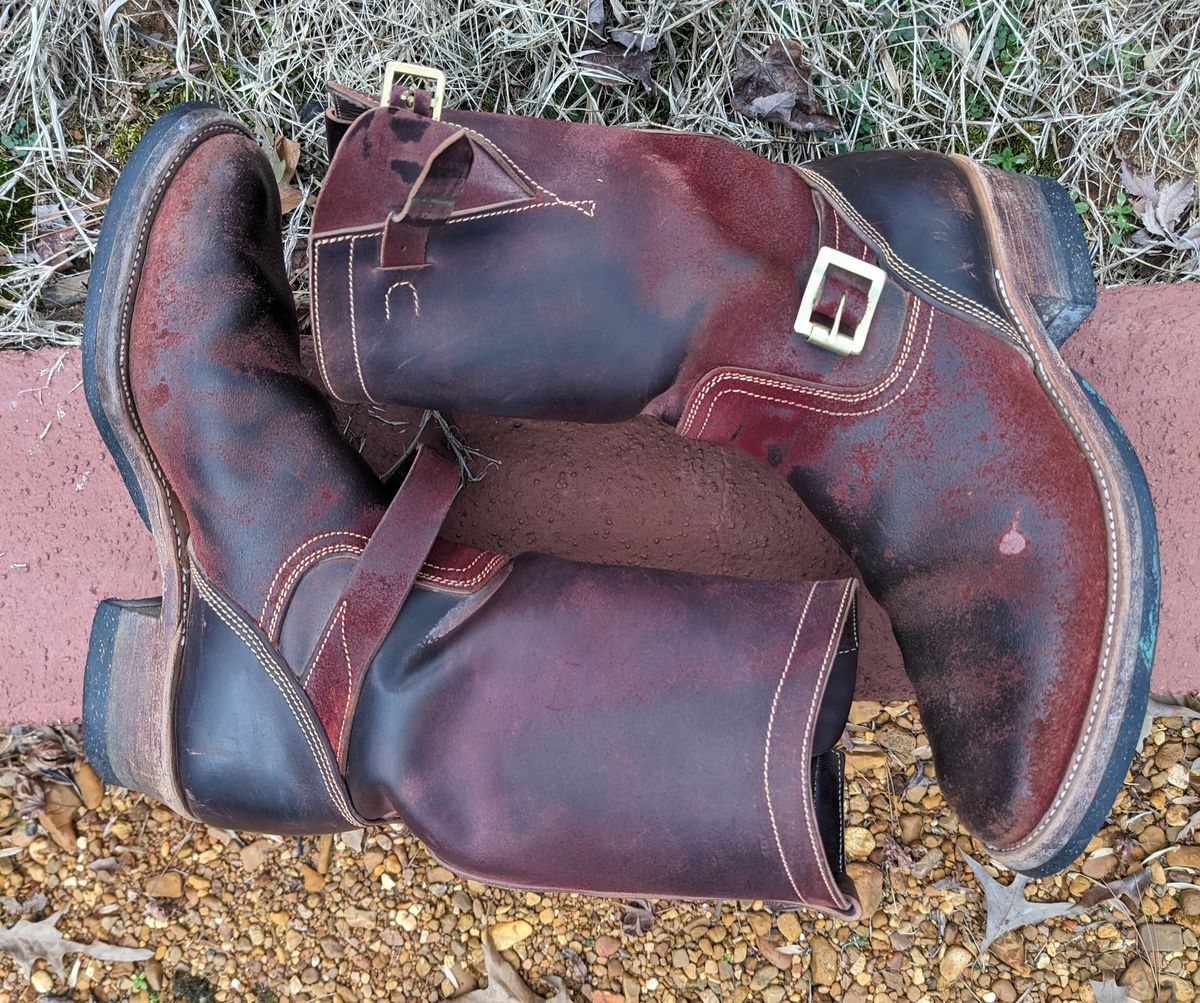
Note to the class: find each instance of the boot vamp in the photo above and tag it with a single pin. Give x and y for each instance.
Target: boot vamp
(247, 446)
(971, 512)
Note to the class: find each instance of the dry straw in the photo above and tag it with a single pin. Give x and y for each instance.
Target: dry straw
(1062, 87)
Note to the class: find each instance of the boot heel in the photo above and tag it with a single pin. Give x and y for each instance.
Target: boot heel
(126, 722)
(1040, 246)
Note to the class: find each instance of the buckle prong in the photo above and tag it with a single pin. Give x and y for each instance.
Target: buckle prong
(833, 338)
(396, 68)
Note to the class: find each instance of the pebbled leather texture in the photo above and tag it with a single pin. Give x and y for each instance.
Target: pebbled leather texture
(654, 738)
(935, 457)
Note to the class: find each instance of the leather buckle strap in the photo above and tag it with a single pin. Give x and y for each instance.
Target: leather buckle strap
(408, 97)
(377, 589)
(833, 338)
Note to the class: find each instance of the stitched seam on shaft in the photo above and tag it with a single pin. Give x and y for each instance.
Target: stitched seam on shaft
(890, 377)
(817, 847)
(347, 549)
(463, 569)
(260, 652)
(853, 615)
(284, 563)
(387, 298)
(1110, 517)
(318, 343)
(491, 566)
(577, 205)
(123, 333)
(353, 327)
(898, 264)
(743, 378)
(349, 677)
(767, 746)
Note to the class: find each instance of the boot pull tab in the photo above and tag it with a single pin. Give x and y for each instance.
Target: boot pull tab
(436, 162)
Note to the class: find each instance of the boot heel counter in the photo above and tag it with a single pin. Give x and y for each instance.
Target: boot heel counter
(250, 752)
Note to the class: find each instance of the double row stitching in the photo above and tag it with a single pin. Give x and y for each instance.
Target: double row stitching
(263, 655)
(491, 566)
(345, 549)
(898, 264)
(767, 746)
(1110, 517)
(290, 557)
(888, 378)
(745, 378)
(123, 334)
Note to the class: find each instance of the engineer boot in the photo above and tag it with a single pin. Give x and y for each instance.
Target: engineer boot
(880, 328)
(321, 660)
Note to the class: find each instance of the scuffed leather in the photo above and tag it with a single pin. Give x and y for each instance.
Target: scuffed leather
(630, 717)
(935, 457)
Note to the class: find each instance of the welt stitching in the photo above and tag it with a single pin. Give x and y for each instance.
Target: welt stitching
(886, 380)
(311, 540)
(123, 333)
(767, 746)
(464, 569)
(1110, 517)
(742, 378)
(305, 563)
(256, 648)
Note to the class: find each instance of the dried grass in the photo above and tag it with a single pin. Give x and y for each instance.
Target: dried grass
(1061, 87)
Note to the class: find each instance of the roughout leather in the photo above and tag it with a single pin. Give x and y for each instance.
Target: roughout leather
(663, 272)
(537, 722)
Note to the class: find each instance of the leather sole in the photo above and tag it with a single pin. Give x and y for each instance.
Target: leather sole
(1041, 258)
(135, 648)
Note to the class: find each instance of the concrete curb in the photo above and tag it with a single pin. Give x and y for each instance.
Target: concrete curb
(630, 493)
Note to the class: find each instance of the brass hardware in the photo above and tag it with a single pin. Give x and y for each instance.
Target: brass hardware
(833, 338)
(395, 69)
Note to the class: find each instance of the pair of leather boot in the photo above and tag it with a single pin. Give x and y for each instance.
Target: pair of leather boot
(879, 328)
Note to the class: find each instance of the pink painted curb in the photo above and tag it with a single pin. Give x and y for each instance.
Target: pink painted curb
(629, 493)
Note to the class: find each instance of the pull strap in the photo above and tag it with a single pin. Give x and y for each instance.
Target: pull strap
(376, 590)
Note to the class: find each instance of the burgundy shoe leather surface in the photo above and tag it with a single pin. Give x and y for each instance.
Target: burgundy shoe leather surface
(593, 273)
(331, 662)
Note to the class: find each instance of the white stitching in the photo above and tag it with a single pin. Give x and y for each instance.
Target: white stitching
(123, 333)
(349, 679)
(767, 745)
(914, 309)
(1110, 516)
(898, 264)
(744, 378)
(353, 327)
(345, 549)
(482, 576)
(263, 655)
(315, 247)
(387, 298)
(292, 555)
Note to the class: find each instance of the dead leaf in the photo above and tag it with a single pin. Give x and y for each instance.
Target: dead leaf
(1129, 888)
(505, 985)
(778, 88)
(770, 950)
(638, 918)
(1007, 907)
(1159, 207)
(26, 942)
(1109, 992)
(624, 60)
(1157, 707)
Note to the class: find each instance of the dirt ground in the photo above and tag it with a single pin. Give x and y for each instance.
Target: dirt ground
(369, 916)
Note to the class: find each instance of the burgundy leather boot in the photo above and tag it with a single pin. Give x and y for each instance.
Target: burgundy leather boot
(880, 328)
(320, 659)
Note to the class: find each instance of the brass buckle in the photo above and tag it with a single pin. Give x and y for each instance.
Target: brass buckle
(833, 338)
(395, 68)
